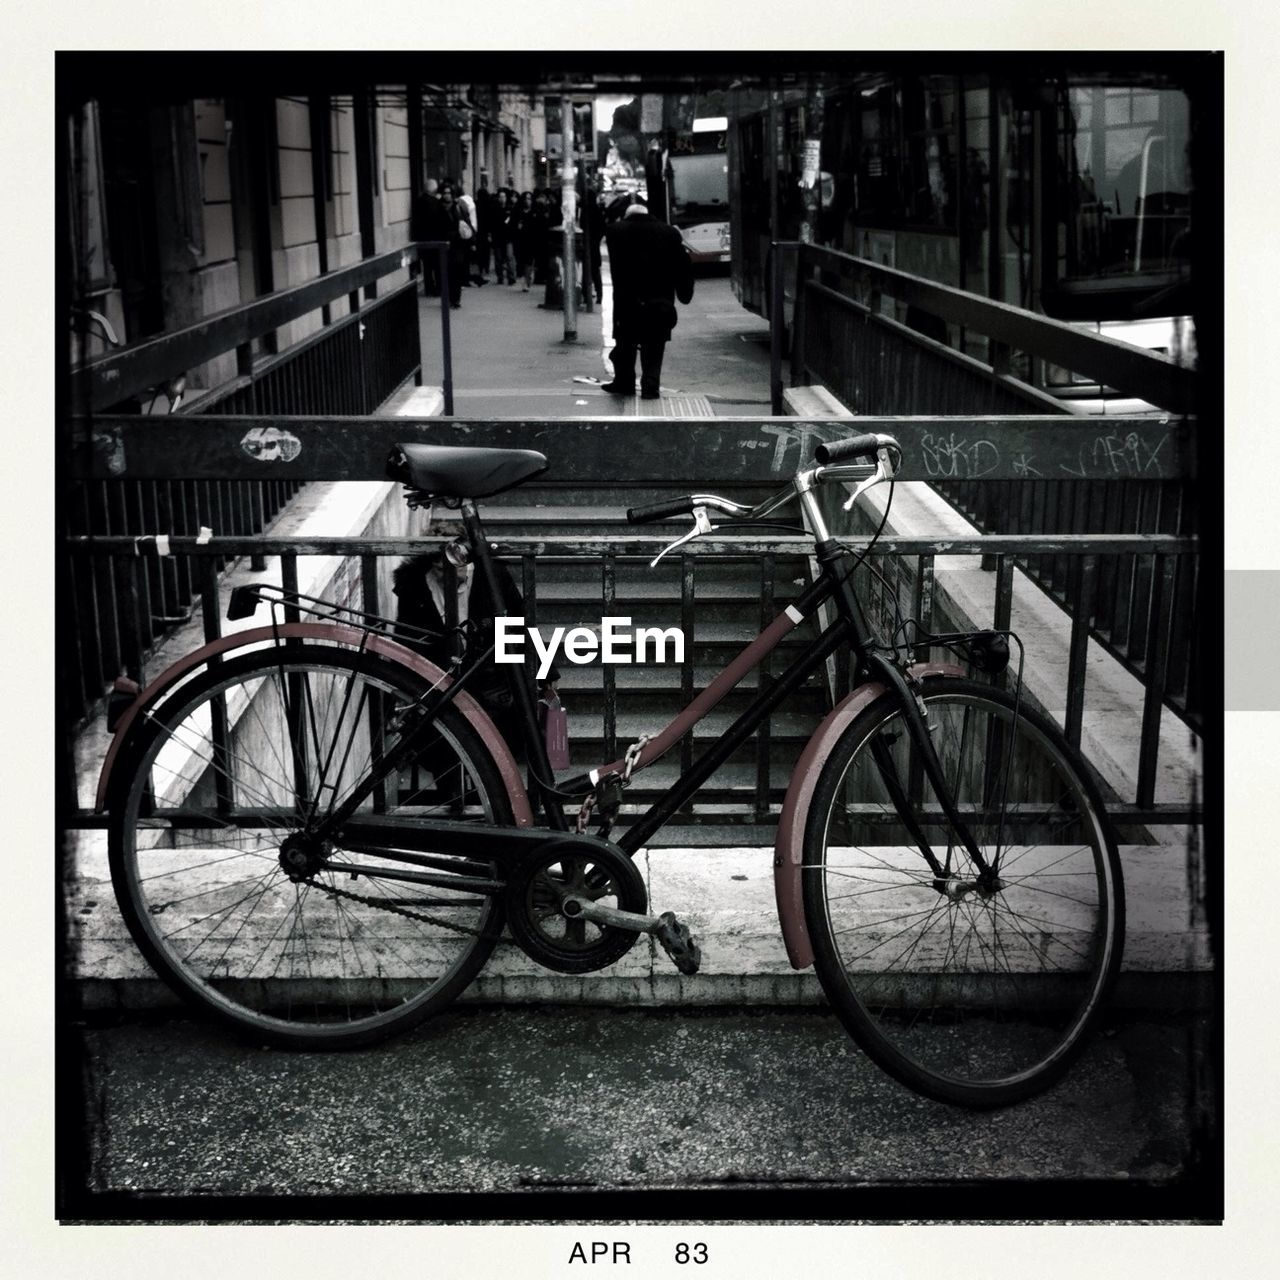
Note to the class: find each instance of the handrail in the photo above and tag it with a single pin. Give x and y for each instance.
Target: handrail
(133, 369)
(1159, 380)
(640, 546)
(733, 449)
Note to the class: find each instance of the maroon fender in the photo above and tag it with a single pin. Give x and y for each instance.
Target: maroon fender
(353, 638)
(788, 849)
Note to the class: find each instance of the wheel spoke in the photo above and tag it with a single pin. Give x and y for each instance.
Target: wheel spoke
(978, 992)
(320, 955)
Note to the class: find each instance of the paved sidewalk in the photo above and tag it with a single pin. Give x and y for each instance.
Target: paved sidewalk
(590, 1101)
(511, 359)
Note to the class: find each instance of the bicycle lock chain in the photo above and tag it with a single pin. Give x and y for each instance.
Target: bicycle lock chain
(629, 762)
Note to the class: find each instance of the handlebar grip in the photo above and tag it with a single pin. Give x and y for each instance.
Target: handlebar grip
(854, 446)
(660, 510)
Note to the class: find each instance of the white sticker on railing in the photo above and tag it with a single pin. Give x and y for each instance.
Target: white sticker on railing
(271, 444)
(205, 535)
(162, 544)
(794, 614)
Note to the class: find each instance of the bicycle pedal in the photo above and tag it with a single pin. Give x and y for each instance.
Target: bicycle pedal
(678, 943)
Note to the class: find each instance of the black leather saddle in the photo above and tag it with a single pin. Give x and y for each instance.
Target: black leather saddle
(450, 471)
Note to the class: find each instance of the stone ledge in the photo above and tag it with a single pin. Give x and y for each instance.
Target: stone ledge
(812, 402)
(724, 895)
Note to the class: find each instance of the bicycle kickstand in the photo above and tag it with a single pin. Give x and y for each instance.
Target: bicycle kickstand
(675, 937)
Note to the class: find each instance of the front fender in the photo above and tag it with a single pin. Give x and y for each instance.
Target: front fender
(788, 849)
(352, 638)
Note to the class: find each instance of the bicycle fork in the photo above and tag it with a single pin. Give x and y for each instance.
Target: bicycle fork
(915, 719)
(877, 666)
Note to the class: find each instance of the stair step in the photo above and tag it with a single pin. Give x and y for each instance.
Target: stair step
(561, 588)
(588, 725)
(636, 680)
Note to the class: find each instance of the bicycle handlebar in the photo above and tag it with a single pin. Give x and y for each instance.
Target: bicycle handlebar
(660, 510)
(852, 447)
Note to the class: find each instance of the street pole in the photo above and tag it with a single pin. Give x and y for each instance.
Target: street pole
(811, 165)
(589, 215)
(568, 208)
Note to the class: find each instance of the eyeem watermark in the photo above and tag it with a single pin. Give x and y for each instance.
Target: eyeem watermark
(615, 642)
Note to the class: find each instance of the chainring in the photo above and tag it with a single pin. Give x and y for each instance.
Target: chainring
(538, 884)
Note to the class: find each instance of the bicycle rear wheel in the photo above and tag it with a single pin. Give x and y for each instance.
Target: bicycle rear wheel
(224, 782)
(970, 991)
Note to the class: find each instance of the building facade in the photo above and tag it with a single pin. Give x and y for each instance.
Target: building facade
(180, 210)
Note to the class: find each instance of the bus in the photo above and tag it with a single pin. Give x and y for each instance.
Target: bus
(697, 189)
(1062, 190)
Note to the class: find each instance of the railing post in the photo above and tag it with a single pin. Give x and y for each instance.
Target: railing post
(1157, 676)
(776, 320)
(922, 602)
(686, 667)
(446, 346)
(799, 378)
(609, 585)
(1084, 572)
(763, 754)
(1003, 606)
(354, 302)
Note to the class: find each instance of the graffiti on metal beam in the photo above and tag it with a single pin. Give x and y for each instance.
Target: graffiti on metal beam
(271, 444)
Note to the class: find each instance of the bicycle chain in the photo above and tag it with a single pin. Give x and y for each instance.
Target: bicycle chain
(382, 904)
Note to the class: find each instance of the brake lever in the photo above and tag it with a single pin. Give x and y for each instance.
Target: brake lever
(884, 471)
(701, 524)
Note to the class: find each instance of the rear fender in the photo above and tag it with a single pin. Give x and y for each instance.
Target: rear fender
(788, 850)
(348, 637)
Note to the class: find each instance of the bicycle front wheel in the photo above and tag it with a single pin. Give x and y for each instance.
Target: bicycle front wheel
(223, 888)
(972, 988)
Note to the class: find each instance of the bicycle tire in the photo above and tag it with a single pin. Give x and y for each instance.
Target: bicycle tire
(974, 997)
(213, 784)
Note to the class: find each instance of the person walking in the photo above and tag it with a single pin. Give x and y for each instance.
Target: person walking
(523, 232)
(461, 233)
(650, 268)
(544, 217)
(504, 257)
(486, 204)
(467, 205)
(428, 221)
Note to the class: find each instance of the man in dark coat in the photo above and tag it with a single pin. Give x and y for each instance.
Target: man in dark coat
(428, 221)
(650, 269)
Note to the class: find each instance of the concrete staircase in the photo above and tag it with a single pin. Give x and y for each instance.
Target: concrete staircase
(727, 614)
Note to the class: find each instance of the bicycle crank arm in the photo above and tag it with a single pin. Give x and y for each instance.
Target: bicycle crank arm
(675, 937)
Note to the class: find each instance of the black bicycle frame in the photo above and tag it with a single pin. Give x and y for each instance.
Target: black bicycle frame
(850, 626)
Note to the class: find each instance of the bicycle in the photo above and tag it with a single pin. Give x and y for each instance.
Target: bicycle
(943, 857)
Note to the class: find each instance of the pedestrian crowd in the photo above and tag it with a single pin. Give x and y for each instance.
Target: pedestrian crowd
(503, 231)
(509, 233)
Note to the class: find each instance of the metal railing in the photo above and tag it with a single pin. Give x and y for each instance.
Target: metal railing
(757, 800)
(874, 379)
(358, 448)
(349, 366)
(844, 338)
